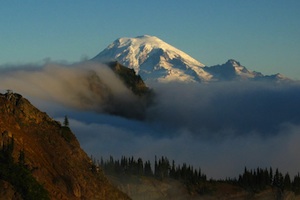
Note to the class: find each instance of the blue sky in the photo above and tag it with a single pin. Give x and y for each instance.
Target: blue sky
(264, 35)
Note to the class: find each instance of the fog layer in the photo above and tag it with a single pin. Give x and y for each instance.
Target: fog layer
(221, 127)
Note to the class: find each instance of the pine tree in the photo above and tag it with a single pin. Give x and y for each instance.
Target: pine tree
(172, 170)
(296, 184)
(287, 182)
(140, 167)
(66, 121)
(147, 169)
(271, 175)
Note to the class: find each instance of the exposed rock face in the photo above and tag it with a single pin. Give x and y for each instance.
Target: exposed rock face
(143, 95)
(131, 80)
(52, 153)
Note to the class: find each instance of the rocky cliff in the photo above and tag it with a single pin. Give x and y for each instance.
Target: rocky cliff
(133, 81)
(51, 153)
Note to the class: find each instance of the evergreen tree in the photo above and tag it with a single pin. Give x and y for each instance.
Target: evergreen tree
(278, 179)
(156, 170)
(66, 121)
(271, 175)
(296, 184)
(287, 182)
(140, 167)
(147, 169)
(173, 170)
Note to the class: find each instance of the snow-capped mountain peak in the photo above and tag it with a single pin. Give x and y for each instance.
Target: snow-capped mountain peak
(154, 59)
(233, 62)
(239, 69)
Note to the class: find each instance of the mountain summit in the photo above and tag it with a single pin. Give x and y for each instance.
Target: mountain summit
(154, 59)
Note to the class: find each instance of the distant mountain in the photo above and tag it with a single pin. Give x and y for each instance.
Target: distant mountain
(35, 148)
(155, 60)
(233, 70)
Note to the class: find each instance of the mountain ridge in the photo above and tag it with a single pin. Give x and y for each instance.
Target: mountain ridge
(51, 152)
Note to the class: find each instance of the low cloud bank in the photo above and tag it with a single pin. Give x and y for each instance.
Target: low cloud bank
(227, 108)
(85, 86)
(221, 127)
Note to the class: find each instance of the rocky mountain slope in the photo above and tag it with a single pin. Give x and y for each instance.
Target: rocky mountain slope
(130, 79)
(51, 153)
(144, 95)
(155, 60)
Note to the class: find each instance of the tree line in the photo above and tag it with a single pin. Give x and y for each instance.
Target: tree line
(162, 168)
(195, 180)
(259, 179)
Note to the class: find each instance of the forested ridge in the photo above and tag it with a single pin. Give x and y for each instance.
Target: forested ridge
(251, 180)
